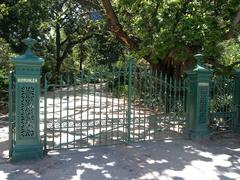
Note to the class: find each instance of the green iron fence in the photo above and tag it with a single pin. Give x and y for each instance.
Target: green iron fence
(222, 109)
(12, 110)
(127, 104)
(131, 103)
(113, 105)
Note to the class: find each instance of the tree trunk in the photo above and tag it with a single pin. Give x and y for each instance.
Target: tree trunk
(117, 28)
(58, 50)
(170, 68)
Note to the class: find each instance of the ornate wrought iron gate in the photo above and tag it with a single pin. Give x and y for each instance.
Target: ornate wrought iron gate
(120, 104)
(127, 104)
(222, 106)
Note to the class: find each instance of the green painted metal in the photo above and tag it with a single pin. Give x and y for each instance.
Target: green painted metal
(11, 113)
(121, 104)
(45, 113)
(129, 101)
(236, 99)
(27, 143)
(199, 79)
(221, 106)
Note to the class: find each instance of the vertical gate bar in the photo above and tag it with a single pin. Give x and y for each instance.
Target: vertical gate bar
(112, 102)
(45, 114)
(150, 99)
(220, 92)
(81, 124)
(170, 103)
(155, 101)
(129, 100)
(106, 118)
(67, 107)
(228, 110)
(13, 117)
(144, 102)
(165, 96)
(140, 100)
(10, 112)
(234, 105)
(184, 98)
(74, 111)
(94, 104)
(124, 98)
(226, 88)
(180, 99)
(211, 88)
(160, 100)
(88, 89)
(134, 100)
(100, 119)
(153, 95)
(53, 122)
(223, 94)
(61, 96)
(118, 95)
(230, 94)
(214, 95)
(175, 104)
(213, 82)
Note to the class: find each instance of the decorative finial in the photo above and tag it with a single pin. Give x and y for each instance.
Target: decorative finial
(29, 42)
(199, 58)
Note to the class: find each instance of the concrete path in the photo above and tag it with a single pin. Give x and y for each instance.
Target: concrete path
(176, 159)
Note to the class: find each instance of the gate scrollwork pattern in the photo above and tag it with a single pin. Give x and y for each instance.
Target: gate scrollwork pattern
(27, 111)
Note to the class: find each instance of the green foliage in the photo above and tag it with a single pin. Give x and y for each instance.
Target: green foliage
(221, 94)
(175, 30)
(166, 31)
(5, 66)
(230, 53)
(102, 50)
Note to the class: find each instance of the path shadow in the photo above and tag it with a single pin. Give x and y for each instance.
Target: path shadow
(167, 159)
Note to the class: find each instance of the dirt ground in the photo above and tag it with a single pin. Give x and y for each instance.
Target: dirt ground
(178, 159)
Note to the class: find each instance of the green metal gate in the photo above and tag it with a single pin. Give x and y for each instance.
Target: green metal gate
(124, 104)
(222, 110)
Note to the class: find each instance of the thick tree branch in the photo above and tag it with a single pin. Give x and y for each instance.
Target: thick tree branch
(117, 28)
(234, 23)
(72, 43)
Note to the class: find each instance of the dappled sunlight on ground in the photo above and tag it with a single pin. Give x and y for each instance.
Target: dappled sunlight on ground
(167, 159)
(171, 159)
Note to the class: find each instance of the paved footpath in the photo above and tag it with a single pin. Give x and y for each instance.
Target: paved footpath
(176, 159)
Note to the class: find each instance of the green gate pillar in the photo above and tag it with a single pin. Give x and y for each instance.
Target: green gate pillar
(27, 67)
(236, 98)
(198, 101)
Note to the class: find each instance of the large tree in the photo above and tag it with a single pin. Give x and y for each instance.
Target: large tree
(169, 33)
